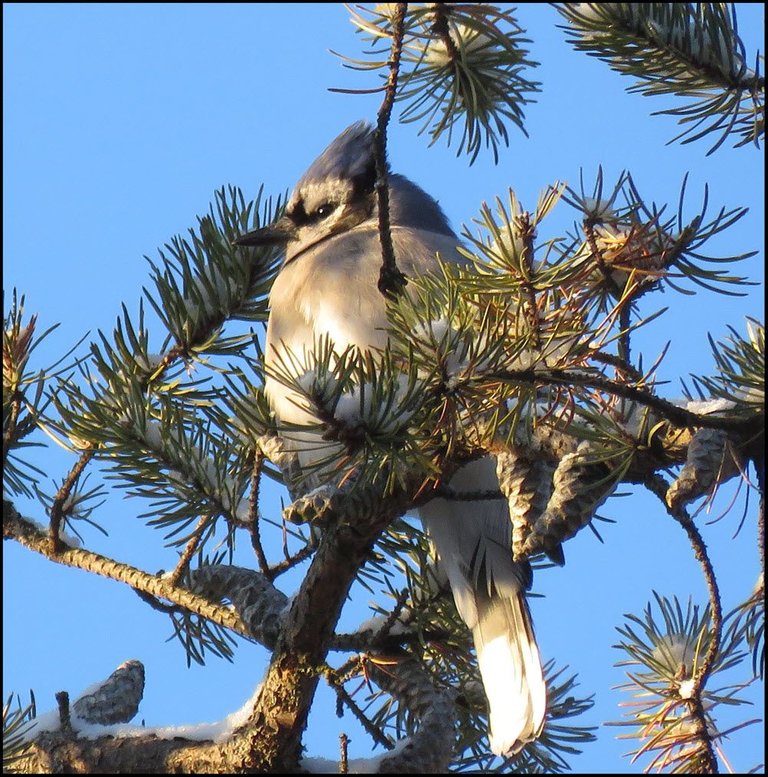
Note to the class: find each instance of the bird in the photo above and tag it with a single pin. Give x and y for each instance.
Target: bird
(327, 287)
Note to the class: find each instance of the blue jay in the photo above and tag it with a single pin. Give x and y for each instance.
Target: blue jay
(327, 287)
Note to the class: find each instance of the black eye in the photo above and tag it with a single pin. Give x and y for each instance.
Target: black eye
(323, 211)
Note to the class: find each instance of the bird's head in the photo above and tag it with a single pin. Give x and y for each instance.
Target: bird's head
(337, 193)
(334, 195)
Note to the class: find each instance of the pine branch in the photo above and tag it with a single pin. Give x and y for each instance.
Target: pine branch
(675, 414)
(289, 686)
(431, 748)
(693, 52)
(672, 712)
(462, 64)
(17, 528)
(660, 487)
(17, 721)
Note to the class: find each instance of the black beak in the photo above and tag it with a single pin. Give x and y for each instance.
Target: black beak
(277, 233)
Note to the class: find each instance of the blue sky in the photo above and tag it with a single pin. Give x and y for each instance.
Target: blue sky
(121, 120)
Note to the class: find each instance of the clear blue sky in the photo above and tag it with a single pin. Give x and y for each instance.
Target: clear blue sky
(121, 120)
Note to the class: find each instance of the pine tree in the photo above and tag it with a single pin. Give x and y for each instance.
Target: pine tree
(529, 355)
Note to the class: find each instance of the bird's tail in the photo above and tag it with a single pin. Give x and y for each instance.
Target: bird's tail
(473, 541)
(511, 670)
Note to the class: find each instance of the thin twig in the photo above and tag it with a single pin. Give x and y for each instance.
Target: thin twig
(344, 754)
(527, 233)
(588, 227)
(624, 324)
(619, 364)
(11, 424)
(696, 708)
(349, 669)
(391, 280)
(393, 616)
(178, 351)
(189, 551)
(659, 486)
(440, 26)
(373, 731)
(290, 561)
(445, 492)
(57, 508)
(253, 514)
(156, 604)
(676, 415)
(759, 464)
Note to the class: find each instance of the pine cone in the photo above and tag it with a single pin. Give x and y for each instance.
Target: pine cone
(709, 460)
(117, 699)
(580, 485)
(526, 482)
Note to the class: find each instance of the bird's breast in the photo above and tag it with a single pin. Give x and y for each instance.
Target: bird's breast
(330, 290)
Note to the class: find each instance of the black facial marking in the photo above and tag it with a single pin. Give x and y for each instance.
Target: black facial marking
(297, 214)
(300, 217)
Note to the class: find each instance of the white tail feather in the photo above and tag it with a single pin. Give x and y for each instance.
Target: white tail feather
(512, 676)
(473, 543)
